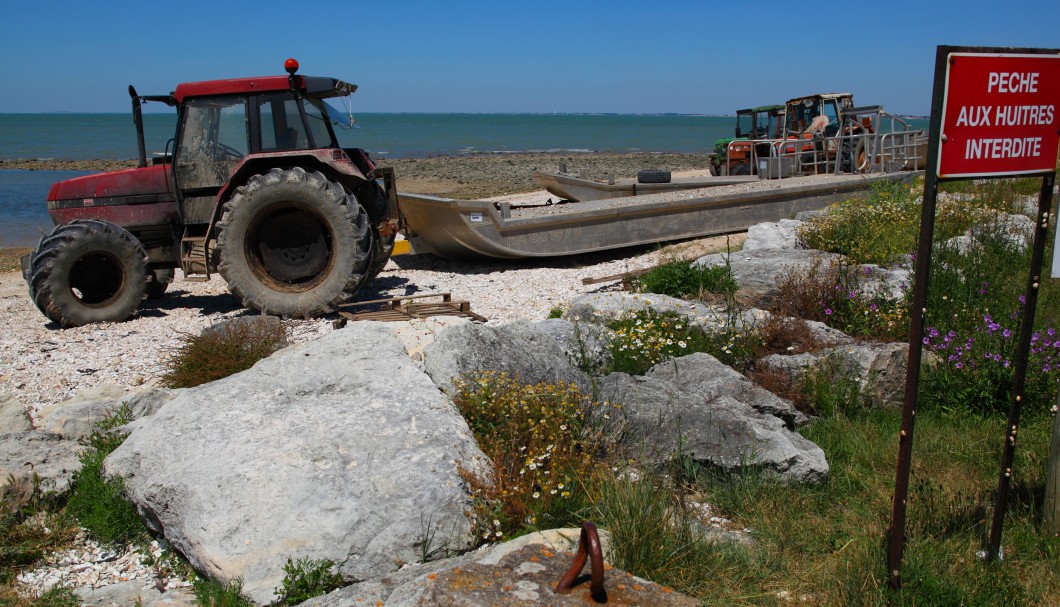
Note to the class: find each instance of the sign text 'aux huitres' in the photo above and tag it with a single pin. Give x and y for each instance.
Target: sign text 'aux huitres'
(1000, 115)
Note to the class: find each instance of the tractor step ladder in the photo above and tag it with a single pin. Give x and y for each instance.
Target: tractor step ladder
(193, 258)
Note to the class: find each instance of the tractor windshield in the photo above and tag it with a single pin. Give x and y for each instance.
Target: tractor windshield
(340, 117)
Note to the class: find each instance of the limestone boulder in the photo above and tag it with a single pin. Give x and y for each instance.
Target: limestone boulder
(879, 369)
(13, 417)
(50, 457)
(520, 348)
(341, 449)
(695, 407)
(758, 272)
(521, 572)
(781, 234)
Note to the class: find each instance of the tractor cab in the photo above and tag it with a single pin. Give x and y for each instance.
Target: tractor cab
(801, 113)
(765, 122)
(734, 155)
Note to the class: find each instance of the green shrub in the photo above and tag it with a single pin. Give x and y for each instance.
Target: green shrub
(683, 279)
(306, 578)
(210, 593)
(644, 338)
(877, 229)
(885, 226)
(835, 295)
(217, 354)
(542, 448)
(975, 310)
(99, 503)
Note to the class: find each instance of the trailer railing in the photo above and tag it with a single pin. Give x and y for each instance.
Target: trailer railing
(865, 140)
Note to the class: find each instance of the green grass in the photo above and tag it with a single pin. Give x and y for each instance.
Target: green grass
(99, 503)
(211, 593)
(32, 525)
(823, 544)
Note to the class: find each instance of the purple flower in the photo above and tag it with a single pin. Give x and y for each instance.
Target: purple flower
(1006, 333)
(1023, 300)
(828, 311)
(958, 365)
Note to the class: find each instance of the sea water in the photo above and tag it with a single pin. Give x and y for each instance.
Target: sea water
(113, 137)
(23, 211)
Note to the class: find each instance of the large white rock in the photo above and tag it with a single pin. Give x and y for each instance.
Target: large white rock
(696, 407)
(339, 449)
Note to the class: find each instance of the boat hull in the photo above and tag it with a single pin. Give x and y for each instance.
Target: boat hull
(569, 187)
(462, 229)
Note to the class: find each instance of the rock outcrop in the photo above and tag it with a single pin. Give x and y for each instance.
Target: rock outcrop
(698, 408)
(527, 568)
(339, 449)
(518, 348)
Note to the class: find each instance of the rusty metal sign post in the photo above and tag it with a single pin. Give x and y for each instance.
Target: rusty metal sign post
(994, 113)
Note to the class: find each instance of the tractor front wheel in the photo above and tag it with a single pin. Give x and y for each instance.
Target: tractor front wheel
(293, 243)
(87, 271)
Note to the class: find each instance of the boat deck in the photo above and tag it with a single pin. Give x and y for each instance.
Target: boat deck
(474, 228)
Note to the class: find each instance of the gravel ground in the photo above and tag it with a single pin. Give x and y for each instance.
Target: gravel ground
(41, 364)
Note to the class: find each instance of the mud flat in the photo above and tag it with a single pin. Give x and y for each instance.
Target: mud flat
(464, 176)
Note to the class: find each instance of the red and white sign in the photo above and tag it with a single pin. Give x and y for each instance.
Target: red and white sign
(1000, 115)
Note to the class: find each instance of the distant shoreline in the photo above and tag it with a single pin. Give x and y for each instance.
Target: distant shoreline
(92, 166)
(460, 176)
(466, 176)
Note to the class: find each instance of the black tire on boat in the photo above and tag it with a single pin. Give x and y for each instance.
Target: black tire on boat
(653, 176)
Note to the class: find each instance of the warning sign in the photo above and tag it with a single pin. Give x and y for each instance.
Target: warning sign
(1001, 115)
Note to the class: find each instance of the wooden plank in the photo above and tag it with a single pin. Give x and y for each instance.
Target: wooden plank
(403, 309)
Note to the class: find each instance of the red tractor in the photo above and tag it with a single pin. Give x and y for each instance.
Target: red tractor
(256, 187)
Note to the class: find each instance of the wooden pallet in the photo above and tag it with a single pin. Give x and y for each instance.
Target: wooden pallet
(404, 308)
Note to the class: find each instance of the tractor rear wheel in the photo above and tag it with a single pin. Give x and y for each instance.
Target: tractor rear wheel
(293, 243)
(87, 271)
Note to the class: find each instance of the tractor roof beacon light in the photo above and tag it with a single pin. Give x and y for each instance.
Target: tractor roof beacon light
(291, 66)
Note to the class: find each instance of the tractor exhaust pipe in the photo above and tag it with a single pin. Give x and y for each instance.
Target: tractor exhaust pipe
(138, 120)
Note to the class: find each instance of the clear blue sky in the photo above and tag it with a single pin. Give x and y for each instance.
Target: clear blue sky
(504, 56)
